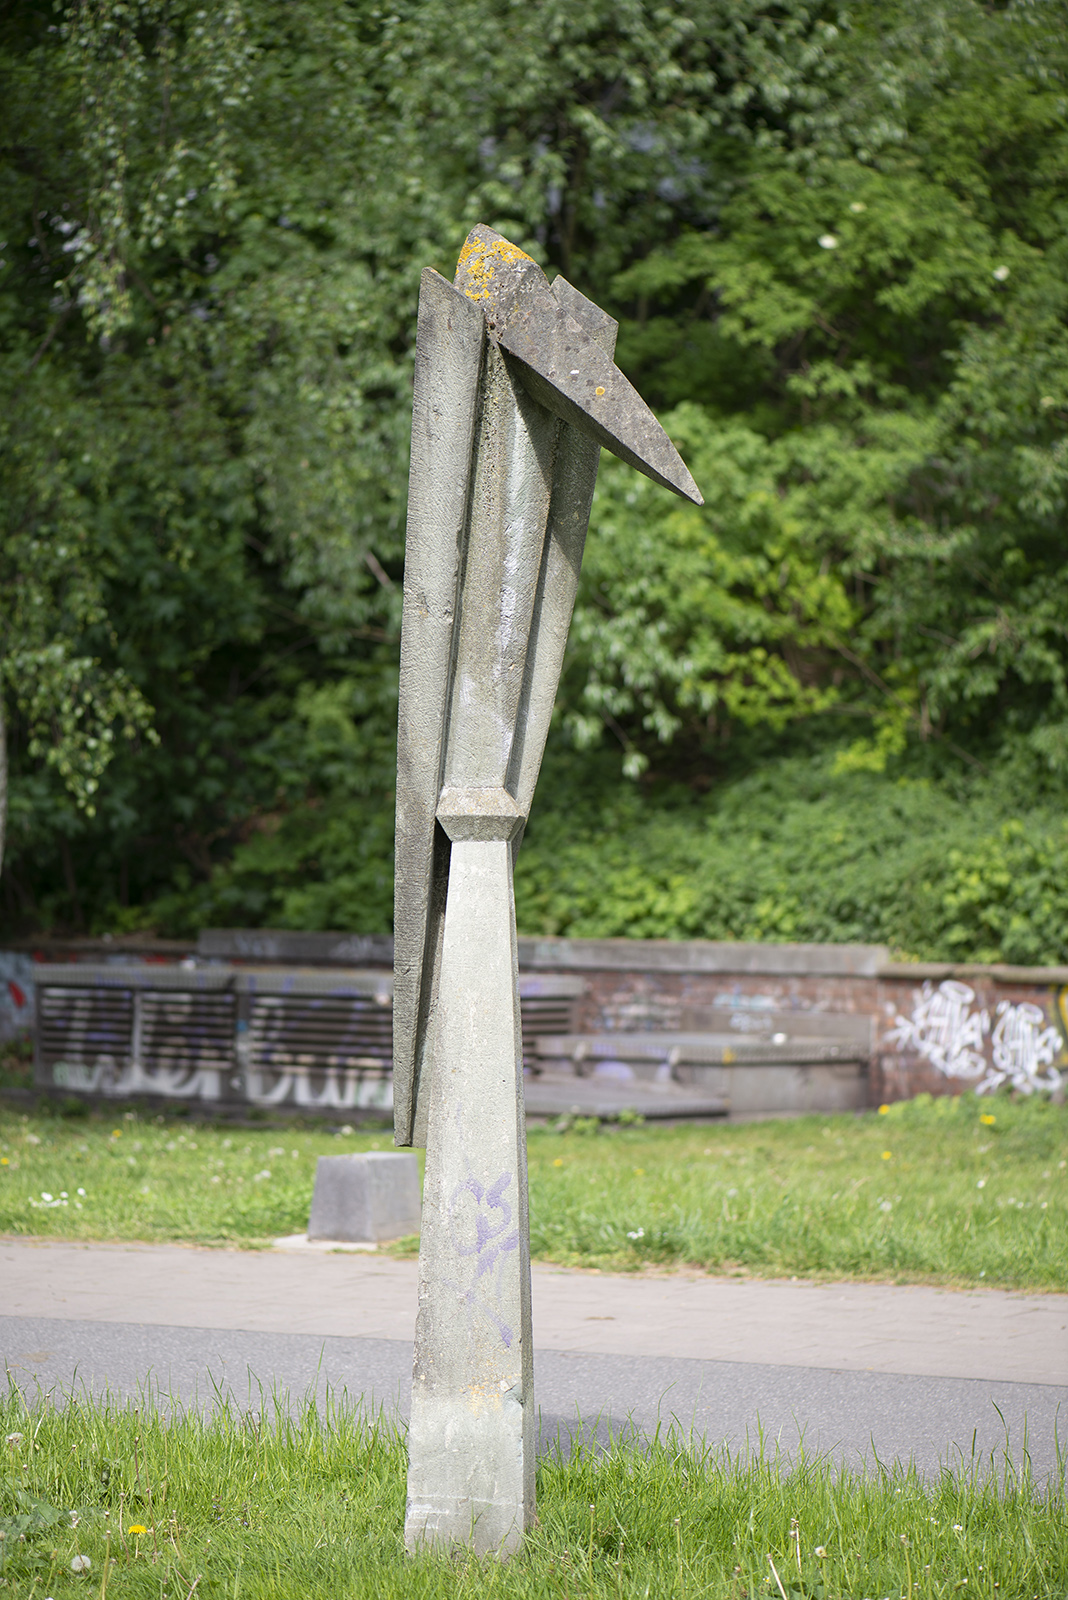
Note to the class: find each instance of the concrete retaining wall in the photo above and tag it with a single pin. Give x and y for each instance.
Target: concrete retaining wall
(935, 1027)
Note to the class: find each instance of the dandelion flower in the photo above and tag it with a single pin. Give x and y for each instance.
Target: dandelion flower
(639, 1172)
(559, 1161)
(14, 1439)
(80, 1564)
(4, 1161)
(828, 241)
(883, 1110)
(136, 1528)
(987, 1120)
(819, 1551)
(116, 1133)
(888, 1155)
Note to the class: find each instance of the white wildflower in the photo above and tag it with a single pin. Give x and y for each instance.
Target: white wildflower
(858, 206)
(828, 241)
(638, 1234)
(1001, 273)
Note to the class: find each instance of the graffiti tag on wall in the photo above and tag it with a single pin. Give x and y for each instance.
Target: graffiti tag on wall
(1019, 1047)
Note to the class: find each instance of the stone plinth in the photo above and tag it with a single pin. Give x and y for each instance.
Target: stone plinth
(365, 1199)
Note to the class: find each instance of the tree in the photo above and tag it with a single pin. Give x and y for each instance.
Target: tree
(835, 241)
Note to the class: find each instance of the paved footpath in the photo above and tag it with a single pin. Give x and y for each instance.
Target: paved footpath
(860, 1371)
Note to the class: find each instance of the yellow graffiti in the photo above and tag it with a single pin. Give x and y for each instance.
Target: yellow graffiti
(478, 261)
(1062, 1008)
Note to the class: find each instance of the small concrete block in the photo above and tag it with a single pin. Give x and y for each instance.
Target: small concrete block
(365, 1198)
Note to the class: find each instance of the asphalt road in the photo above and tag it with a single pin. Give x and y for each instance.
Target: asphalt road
(860, 1372)
(855, 1417)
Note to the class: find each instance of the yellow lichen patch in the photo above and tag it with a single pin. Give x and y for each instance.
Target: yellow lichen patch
(478, 261)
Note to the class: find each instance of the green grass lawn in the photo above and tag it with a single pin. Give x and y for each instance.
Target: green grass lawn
(969, 1191)
(243, 1507)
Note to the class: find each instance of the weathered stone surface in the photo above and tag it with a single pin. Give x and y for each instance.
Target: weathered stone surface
(471, 1440)
(562, 366)
(549, 395)
(513, 479)
(365, 1199)
(448, 365)
(574, 479)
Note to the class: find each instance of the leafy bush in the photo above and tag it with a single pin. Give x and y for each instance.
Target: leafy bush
(799, 853)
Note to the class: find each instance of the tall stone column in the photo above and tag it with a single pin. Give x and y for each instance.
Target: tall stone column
(471, 1440)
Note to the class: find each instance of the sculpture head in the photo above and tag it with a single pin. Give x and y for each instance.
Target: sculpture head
(559, 364)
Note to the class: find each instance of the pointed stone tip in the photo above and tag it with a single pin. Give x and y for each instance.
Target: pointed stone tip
(483, 253)
(563, 368)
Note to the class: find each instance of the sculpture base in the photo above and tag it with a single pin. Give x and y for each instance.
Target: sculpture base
(471, 1439)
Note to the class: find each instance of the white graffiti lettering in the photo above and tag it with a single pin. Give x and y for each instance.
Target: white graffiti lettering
(952, 1033)
(945, 1030)
(1024, 1047)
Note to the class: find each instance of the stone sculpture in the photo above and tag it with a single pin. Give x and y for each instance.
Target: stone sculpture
(515, 393)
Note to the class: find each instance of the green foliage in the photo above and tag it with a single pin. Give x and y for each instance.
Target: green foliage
(836, 242)
(796, 851)
(811, 1196)
(818, 1196)
(308, 1502)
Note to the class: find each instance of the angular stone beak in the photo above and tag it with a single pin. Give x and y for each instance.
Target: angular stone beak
(559, 364)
